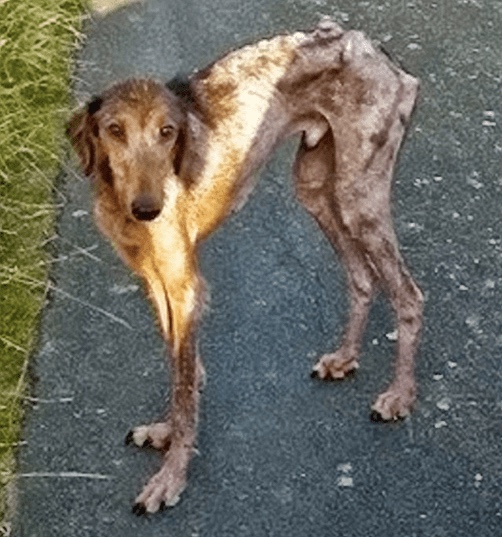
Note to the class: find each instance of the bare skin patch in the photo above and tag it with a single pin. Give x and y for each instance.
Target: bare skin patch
(169, 170)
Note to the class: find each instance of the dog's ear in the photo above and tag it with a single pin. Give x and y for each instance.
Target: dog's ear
(82, 131)
(180, 148)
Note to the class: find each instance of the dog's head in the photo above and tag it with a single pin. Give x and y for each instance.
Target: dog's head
(132, 138)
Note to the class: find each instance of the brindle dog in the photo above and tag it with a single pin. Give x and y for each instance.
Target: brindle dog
(169, 167)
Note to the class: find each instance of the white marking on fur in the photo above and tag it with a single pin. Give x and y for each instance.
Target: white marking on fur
(140, 435)
(253, 102)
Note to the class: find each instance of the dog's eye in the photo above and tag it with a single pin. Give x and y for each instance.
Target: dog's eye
(167, 131)
(116, 130)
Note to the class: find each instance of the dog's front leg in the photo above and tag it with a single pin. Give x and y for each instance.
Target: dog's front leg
(165, 487)
(176, 292)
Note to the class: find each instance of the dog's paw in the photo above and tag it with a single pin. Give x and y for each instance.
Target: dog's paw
(395, 403)
(334, 366)
(157, 435)
(165, 487)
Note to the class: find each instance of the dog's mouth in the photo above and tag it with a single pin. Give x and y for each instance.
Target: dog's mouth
(145, 208)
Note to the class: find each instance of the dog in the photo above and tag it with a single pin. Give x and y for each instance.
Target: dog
(171, 163)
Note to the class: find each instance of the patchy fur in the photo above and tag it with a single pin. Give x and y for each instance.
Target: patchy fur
(170, 166)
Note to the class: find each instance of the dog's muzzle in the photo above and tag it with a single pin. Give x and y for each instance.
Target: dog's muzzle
(145, 208)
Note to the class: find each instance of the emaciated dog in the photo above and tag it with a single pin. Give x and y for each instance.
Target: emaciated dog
(169, 166)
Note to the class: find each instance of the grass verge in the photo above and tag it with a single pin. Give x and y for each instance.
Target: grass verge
(36, 42)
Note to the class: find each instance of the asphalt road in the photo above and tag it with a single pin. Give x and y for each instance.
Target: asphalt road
(282, 454)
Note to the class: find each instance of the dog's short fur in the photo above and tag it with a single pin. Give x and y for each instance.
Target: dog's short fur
(170, 166)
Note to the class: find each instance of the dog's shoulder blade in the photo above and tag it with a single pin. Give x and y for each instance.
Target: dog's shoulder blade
(255, 65)
(237, 91)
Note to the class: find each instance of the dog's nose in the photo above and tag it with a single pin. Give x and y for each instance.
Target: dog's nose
(145, 208)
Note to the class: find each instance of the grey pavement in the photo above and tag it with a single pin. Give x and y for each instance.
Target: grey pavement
(282, 454)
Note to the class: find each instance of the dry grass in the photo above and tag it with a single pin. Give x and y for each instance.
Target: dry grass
(36, 40)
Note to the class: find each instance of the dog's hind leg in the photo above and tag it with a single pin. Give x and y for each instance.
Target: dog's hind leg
(345, 182)
(369, 224)
(313, 171)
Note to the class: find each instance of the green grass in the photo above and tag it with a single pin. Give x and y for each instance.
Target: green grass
(36, 42)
